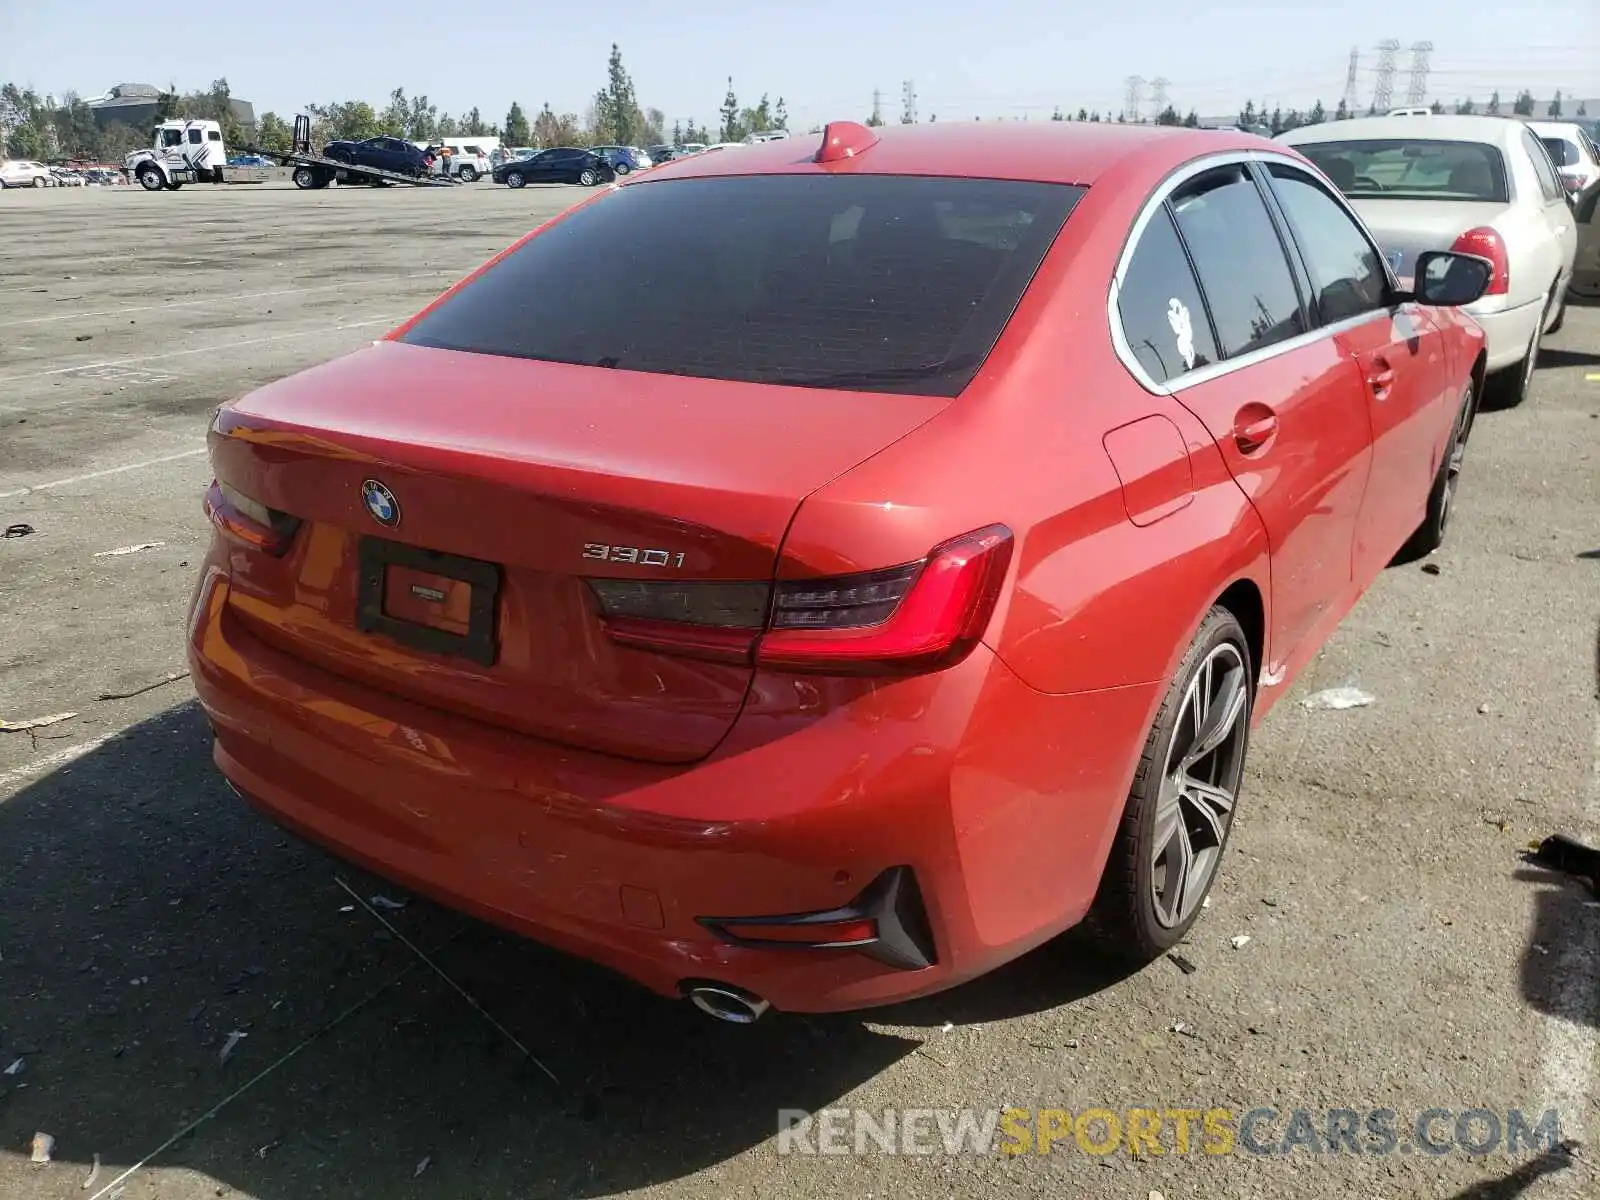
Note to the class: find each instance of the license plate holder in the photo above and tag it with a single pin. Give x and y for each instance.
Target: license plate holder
(479, 642)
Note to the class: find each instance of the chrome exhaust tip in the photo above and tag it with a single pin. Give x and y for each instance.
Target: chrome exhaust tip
(727, 1003)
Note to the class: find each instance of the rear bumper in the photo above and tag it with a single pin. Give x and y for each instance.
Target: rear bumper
(974, 782)
(1507, 332)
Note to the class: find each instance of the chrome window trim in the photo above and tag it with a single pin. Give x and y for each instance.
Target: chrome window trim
(1175, 180)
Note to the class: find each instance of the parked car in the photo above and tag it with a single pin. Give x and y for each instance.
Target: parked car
(835, 633)
(1480, 185)
(384, 153)
(469, 159)
(623, 159)
(560, 164)
(24, 172)
(661, 154)
(1573, 152)
(63, 177)
(1586, 267)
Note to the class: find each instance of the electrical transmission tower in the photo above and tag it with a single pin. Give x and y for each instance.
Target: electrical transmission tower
(1417, 93)
(1383, 90)
(1158, 96)
(877, 106)
(1350, 97)
(1133, 97)
(908, 92)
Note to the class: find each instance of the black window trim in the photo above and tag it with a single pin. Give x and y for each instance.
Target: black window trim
(1159, 197)
(1296, 239)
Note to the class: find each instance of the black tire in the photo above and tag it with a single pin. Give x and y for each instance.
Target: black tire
(150, 179)
(174, 185)
(1429, 535)
(588, 178)
(467, 175)
(1513, 386)
(516, 179)
(622, 169)
(1125, 917)
(1561, 314)
(305, 177)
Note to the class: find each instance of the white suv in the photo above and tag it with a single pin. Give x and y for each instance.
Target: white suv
(22, 172)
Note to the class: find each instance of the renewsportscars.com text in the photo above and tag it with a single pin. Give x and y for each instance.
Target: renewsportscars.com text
(1152, 1132)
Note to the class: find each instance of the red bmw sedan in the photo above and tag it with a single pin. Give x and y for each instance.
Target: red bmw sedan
(880, 579)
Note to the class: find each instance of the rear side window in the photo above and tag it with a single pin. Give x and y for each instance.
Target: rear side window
(195, 137)
(1549, 181)
(1562, 152)
(1413, 169)
(1243, 270)
(868, 282)
(1346, 272)
(1163, 318)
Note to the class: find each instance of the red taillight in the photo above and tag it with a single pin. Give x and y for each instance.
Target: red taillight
(919, 616)
(1487, 243)
(248, 521)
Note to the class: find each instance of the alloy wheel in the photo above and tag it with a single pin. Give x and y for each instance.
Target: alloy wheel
(1199, 784)
(1455, 457)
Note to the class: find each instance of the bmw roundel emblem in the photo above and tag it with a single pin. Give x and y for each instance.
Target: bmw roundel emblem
(380, 502)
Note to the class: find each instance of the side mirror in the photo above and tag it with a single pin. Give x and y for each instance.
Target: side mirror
(1445, 279)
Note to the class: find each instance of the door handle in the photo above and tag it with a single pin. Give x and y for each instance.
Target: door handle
(1380, 378)
(1252, 431)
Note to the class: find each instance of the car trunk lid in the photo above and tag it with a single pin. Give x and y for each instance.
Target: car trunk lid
(1407, 228)
(525, 479)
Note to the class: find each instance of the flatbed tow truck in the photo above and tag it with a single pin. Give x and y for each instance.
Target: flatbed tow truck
(310, 170)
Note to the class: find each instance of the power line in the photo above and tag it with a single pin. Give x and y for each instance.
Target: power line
(1351, 101)
(1417, 93)
(1158, 95)
(1383, 92)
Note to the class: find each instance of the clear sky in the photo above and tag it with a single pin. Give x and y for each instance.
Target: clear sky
(989, 58)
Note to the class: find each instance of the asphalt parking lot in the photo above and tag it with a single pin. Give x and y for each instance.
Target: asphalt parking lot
(1401, 955)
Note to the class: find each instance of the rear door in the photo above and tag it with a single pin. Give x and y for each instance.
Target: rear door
(1397, 349)
(1284, 404)
(1556, 253)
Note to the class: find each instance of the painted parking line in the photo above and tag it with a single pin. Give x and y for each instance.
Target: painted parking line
(202, 302)
(223, 349)
(109, 471)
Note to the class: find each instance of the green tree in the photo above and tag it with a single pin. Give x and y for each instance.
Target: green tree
(1464, 108)
(1056, 116)
(1583, 108)
(393, 119)
(1523, 106)
(273, 133)
(552, 130)
(167, 103)
(449, 127)
(474, 125)
(730, 115)
(780, 115)
(1192, 121)
(1555, 105)
(1318, 115)
(1493, 107)
(1095, 116)
(422, 120)
(1168, 116)
(350, 121)
(1276, 124)
(1342, 113)
(1247, 115)
(517, 131)
(618, 120)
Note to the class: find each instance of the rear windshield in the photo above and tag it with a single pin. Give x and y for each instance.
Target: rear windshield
(1413, 169)
(1562, 152)
(866, 282)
